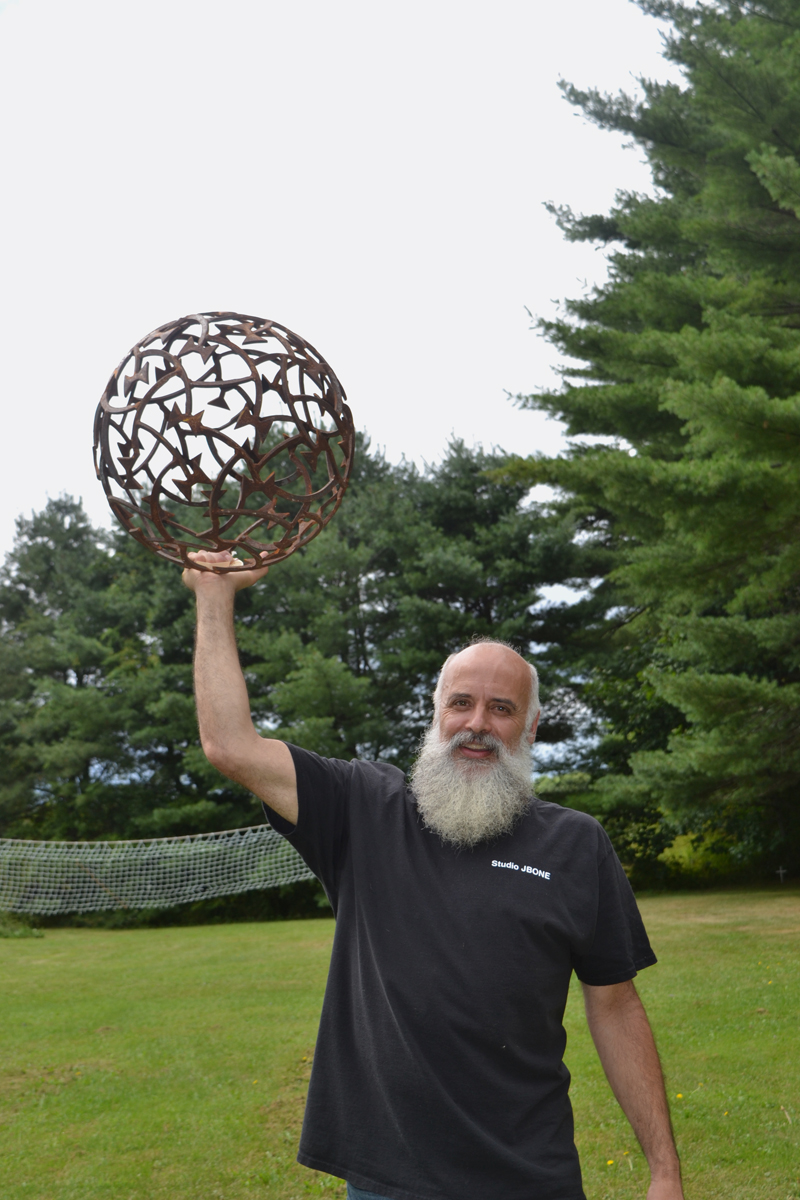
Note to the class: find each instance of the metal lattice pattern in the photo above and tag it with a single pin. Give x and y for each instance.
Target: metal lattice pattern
(222, 431)
(73, 877)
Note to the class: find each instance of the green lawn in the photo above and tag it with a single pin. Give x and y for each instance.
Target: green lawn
(724, 1003)
(154, 1063)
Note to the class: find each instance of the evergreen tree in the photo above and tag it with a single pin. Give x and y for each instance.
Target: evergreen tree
(340, 644)
(684, 415)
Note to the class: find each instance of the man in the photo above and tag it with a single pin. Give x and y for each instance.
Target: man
(463, 905)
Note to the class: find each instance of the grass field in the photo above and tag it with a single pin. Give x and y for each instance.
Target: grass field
(173, 1063)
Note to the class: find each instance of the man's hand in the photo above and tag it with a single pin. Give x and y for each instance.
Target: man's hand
(242, 577)
(627, 1050)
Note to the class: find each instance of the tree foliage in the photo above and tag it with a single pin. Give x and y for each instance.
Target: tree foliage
(676, 512)
(340, 645)
(684, 414)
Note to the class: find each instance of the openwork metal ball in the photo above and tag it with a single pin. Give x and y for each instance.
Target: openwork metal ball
(223, 432)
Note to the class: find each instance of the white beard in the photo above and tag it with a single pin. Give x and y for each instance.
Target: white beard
(467, 802)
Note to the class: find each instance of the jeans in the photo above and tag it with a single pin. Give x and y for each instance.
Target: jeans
(354, 1193)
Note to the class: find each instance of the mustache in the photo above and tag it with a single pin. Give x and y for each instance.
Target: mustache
(486, 741)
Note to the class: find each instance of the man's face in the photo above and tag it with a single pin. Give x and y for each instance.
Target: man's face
(486, 689)
(472, 777)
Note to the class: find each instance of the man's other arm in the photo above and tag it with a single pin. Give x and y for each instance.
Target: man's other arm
(624, 1040)
(230, 741)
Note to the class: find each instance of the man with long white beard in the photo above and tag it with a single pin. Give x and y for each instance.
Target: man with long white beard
(470, 787)
(463, 905)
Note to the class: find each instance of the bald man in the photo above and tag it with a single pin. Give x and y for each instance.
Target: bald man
(463, 904)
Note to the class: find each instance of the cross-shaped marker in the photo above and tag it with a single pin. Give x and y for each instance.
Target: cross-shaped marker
(781, 871)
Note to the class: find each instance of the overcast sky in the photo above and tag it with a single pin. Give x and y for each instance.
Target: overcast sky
(370, 174)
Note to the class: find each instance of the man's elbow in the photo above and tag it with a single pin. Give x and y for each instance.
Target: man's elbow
(222, 756)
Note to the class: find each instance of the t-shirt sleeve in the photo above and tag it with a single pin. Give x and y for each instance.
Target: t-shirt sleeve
(620, 947)
(321, 833)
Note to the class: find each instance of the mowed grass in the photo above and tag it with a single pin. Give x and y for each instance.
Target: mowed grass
(173, 1063)
(724, 1001)
(159, 1063)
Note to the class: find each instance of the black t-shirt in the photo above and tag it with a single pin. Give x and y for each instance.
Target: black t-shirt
(438, 1073)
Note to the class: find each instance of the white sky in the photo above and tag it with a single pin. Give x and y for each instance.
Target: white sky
(370, 174)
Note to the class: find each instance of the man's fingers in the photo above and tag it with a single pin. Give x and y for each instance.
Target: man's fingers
(246, 573)
(214, 556)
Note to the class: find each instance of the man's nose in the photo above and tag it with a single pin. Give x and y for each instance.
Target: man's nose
(479, 720)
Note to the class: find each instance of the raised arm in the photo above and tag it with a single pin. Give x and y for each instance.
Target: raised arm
(229, 738)
(621, 1032)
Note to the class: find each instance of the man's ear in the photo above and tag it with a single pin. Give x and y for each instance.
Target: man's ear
(532, 730)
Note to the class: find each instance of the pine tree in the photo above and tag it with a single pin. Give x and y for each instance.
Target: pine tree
(340, 644)
(688, 396)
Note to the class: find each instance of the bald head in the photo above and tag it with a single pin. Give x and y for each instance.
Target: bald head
(487, 687)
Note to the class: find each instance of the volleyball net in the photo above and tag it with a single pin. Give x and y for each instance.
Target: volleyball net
(74, 877)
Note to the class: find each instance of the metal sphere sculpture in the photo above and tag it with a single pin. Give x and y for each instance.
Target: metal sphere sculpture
(223, 432)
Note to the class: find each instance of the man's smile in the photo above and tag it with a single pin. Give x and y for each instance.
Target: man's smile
(472, 750)
(476, 746)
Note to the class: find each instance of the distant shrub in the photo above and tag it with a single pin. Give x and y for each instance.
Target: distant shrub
(13, 927)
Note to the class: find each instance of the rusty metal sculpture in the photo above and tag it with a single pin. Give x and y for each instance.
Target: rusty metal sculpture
(230, 433)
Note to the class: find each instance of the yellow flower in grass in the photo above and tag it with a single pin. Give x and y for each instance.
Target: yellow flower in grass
(609, 1162)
